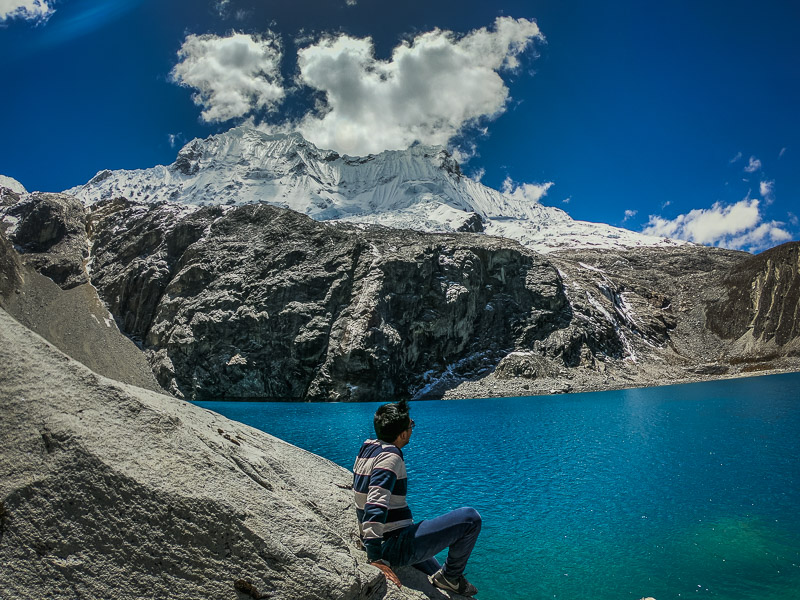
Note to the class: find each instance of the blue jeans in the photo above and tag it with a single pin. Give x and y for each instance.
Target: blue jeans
(419, 544)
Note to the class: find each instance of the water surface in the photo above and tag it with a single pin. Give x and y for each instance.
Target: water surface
(688, 491)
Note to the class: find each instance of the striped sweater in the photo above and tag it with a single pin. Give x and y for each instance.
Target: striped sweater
(380, 483)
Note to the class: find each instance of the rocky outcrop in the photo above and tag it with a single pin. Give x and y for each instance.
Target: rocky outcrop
(50, 230)
(257, 301)
(11, 268)
(760, 304)
(73, 320)
(661, 302)
(112, 491)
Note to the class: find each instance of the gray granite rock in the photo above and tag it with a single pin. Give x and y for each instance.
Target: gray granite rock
(112, 491)
(74, 320)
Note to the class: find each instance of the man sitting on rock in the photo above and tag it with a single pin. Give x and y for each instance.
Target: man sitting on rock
(390, 536)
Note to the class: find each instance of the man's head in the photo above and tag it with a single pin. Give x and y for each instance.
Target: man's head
(392, 423)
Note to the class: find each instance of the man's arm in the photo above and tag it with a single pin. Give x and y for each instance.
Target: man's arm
(387, 571)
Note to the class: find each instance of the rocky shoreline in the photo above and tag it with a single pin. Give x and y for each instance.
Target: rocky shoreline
(492, 387)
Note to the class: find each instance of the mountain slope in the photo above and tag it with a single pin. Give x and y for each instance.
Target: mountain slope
(419, 188)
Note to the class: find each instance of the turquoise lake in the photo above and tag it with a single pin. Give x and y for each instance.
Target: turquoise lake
(688, 491)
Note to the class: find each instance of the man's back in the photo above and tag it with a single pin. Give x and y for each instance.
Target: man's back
(380, 483)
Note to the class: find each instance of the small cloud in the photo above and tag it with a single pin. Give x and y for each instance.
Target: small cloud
(175, 139)
(736, 158)
(782, 152)
(753, 165)
(233, 75)
(666, 204)
(478, 175)
(464, 152)
(28, 10)
(767, 191)
(351, 2)
(629, 214)
(567, 200)
(793, 219)
(221, 6)
(737, 226)
(526, 192)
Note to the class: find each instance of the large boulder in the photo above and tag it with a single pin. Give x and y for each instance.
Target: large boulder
(112, 491)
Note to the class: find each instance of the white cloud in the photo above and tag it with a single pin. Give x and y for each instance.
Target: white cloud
(351, 2)
(753, 165)
(737, 226)
(793, 219)
(567, 199)
(221, 7)
(767, 191)
(175, 139)
(782, 152)
(233, 75)
(526, 192)
(736, 158)
(428, 91)
(478, 175)
(33, 10)
(629, 214)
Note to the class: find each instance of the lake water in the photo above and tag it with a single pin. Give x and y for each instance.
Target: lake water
(689, 491)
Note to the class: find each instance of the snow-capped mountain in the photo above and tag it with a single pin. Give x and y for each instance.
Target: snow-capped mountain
(12, 184)
(419, 188)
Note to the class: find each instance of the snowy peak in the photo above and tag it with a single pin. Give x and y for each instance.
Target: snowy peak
(12, 184)
(420, 188)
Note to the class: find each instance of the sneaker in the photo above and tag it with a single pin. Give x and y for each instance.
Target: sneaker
(460, 585)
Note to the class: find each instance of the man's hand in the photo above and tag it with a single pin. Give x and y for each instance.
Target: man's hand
(387, 570)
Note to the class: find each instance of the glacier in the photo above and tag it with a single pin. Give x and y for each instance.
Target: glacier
(419, 188)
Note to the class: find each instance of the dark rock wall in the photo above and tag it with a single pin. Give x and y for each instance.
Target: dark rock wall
(262, 302)
(10, 268)
(51, 231)
(761, 293)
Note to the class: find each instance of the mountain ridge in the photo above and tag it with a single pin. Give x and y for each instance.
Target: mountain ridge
(419, 188)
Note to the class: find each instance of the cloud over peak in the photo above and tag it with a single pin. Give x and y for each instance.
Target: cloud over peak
(233, 75)
(526, 193)
(429, 90)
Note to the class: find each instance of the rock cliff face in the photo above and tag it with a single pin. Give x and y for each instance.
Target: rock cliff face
(51, 232)
(262, 302)
(760, 304)
(112, 491)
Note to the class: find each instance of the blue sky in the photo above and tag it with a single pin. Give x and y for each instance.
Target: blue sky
(676, 118)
